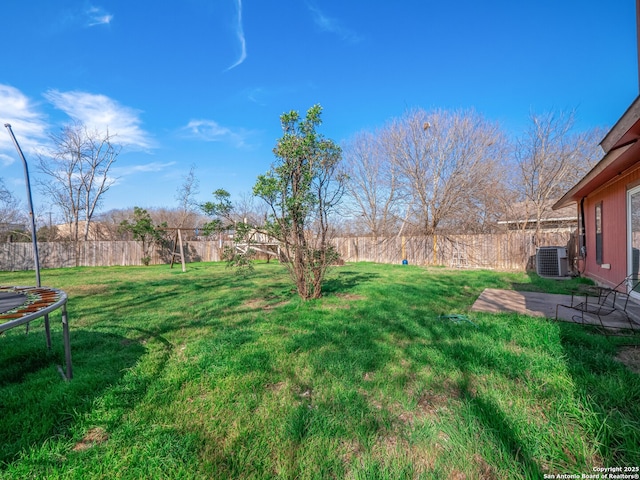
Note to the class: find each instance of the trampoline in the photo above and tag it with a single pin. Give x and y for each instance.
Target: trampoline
(21, 305)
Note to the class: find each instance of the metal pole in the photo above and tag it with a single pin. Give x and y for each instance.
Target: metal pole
(67, 342)
(33, 221)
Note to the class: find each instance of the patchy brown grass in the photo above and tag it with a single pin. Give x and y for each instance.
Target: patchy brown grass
(421, 457)
(342, 305)
(93, 437)
(350, 296)
(630, 356)
(271, 306)
(430, 403)
(87, 290)
(351, 450)
(275, 387)
(254, 303)
(485, 471)
(261, 304)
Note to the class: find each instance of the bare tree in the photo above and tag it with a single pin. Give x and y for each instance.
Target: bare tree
(248, 210)
(111, 220)
(9, 206)
(550, 158)
(372, 184)
(12, 220)
(78, 168)
(187, 205)
(448, 163)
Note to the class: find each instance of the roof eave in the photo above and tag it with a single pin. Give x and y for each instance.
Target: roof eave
(616, 136)
(590, 181)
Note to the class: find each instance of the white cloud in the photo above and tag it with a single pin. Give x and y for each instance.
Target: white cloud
(102, 112)
(142, 168)
(211, 131)
(97, 16)
(119, 173)
(254, 95)
(241, 39)
(6, 160)
(78, 16)
(28, 124)
(332, 25)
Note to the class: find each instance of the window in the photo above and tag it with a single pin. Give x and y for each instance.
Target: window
(599, 233)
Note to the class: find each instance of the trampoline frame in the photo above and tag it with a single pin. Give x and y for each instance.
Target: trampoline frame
(49, 300)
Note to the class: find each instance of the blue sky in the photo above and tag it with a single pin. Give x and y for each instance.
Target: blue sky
(203, 82)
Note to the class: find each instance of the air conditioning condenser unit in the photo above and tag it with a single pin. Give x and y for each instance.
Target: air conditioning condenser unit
(552, 262)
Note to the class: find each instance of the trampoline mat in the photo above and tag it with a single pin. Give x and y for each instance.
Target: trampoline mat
(11, 300)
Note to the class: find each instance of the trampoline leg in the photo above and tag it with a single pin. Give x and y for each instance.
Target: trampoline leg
(47, 331)
(67, 342)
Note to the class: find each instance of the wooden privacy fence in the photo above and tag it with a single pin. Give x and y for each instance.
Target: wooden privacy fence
(507, 251)
(19, 256)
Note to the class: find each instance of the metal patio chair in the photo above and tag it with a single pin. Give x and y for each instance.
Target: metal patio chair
(608, 309)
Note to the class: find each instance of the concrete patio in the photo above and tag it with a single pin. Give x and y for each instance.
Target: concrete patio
(544, 305)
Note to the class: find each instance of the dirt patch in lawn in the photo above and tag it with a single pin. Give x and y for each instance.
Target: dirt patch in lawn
(87, 290)
(349, 296)
(275, 387)
(93, 437)
(630, 356)
(261, 304)
(342, 296)
(429, 403)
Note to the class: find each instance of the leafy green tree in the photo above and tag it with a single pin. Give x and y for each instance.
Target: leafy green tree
(301, 191)
(222, 210)
(142, 228)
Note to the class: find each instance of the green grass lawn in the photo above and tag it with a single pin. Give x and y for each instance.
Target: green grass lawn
(207, 374)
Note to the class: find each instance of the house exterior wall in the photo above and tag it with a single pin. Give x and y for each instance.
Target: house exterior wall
(614, 228)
